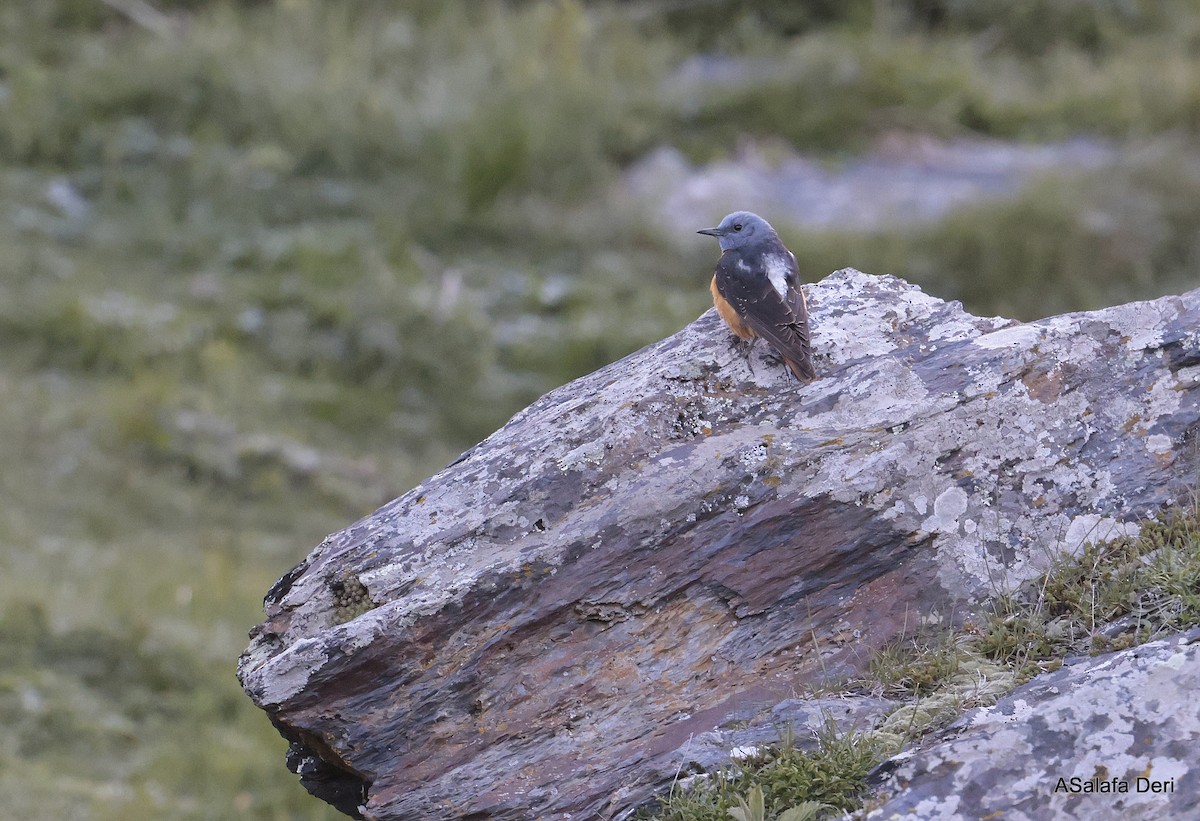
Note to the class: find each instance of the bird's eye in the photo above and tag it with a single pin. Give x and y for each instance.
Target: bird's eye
(737, 226)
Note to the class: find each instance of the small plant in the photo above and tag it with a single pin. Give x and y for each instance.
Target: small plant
(1113, 595)
(789, 779)
(753, 808)
(802, 812)
(917, 667)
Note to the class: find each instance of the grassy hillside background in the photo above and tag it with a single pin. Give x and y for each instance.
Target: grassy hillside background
(266, 265)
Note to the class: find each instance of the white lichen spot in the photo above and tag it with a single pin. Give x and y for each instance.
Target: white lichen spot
(1091, 528)
(742, 753)
(948, 507)
(1142, 322)
(289, 672)
(1021, 710)
(741, 502)
(362, 631)
(895, 511)
(1161, 768)
(937, 807)
(1015, 336)
(1163, 398)
(1159, 444)
(920, 504)
(1176, 661)
(960, 327)
(588, 454)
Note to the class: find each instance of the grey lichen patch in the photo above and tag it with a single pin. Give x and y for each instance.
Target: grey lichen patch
(350, 597)
(589, 454)
(867, 327)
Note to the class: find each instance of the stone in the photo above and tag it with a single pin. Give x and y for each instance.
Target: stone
(904, 180)
(1111, 738)
(682, 541)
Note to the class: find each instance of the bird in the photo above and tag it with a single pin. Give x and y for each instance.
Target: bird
(757, 292)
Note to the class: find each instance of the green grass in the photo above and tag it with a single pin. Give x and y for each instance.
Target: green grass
(126, 591)
(831, 774)
(1028, 70)
(1064, 244)
(130, 722)
(1113, 595)
(266, 270)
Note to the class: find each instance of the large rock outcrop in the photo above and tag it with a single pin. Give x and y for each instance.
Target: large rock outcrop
(687, 538)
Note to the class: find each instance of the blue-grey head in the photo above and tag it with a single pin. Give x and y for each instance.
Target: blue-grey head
(739, 229)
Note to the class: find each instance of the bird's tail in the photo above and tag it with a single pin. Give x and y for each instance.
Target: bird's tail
(802, 369)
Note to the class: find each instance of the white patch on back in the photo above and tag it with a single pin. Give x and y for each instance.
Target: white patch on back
(777, 271)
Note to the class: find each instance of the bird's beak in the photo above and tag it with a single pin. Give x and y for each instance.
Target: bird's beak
(712, 232)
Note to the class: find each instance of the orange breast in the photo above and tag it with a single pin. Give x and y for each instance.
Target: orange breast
(730, 316)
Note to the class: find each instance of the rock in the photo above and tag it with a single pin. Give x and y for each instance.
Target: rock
(682, 540)
(1113, 737)
(903, 182)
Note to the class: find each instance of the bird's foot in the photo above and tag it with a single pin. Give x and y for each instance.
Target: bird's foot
(747, 350)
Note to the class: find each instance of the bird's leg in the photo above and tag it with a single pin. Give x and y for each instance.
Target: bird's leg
(773, 358)
(745, 346)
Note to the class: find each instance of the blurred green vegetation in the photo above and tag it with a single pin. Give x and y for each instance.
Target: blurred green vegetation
(265, 265)
(1066, 243)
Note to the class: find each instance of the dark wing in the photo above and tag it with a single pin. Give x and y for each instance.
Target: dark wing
(799, 308)
(783, 323)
